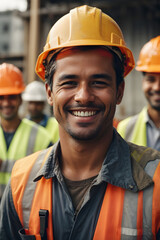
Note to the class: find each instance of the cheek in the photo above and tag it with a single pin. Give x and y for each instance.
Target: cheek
(108, 96)
(63, 97)
(146, 87)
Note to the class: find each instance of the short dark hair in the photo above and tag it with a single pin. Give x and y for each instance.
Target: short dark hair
(50, 67)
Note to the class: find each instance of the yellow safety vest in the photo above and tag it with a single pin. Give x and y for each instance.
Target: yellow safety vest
(133, 129)
(53, 129)
(28, 138)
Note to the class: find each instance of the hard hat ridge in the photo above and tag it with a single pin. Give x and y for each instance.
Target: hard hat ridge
(84, 26)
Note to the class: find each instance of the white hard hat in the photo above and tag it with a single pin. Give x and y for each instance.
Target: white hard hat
(35, 91)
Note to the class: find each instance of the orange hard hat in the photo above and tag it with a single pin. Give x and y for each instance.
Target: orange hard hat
(11, 80)
(149, 57)
(85, 26)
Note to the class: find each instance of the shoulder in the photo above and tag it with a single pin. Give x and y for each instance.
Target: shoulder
(142, 154)
(23, 165)
(41, 130)
(52, 120)
(124, 121)
(121, 128)
(133, 118)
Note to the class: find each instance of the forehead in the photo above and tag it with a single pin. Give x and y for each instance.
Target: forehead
(152, 74)
(96, 50)
(97, 59)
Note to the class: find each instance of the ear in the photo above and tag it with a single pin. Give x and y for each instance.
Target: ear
(120, 92)
(49, 94)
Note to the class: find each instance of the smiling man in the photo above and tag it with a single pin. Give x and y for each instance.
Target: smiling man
(91, 184)
(143, 128)
(18, 137)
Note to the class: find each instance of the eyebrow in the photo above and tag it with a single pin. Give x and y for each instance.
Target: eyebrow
(67, 76)
(102, 75)
(94, 76)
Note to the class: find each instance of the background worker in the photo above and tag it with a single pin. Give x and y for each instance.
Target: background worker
(92, 183)
(35, 96)
(18, 137)
(144, 128)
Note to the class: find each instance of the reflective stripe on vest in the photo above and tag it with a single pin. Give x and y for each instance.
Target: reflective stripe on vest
(133, 129)
(32, 140)
(124, 215)
(26, 205)
(8, 162)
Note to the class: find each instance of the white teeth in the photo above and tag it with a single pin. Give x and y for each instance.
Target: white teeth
(84, 114)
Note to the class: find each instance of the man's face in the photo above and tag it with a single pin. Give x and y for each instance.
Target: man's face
(84, 94)
(9, 106)
(35, 109)
(151, 88)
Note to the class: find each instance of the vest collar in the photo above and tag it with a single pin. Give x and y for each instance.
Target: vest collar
(120, 167)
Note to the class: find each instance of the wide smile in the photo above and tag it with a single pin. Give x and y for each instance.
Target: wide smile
(155, 97)
(84, 113)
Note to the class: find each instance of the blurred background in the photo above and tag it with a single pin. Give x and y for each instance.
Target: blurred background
(24, 25)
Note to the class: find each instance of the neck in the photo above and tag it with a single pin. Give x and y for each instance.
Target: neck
(82, 159)
(37, 119)
(154, 115)
(10, 125)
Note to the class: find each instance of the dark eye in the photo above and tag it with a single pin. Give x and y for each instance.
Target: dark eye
(12, 97)
(99, 83)
(69, 84)
(150, 79)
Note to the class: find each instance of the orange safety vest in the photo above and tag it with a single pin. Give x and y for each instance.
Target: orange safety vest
(109, 225)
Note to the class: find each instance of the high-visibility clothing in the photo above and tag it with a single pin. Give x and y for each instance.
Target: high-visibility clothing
(123, 213)
(28, 138)
(52, 129)
(133, 129)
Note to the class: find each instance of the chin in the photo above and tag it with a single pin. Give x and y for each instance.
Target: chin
(83, 137)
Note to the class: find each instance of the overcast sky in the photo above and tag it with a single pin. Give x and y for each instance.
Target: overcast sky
(13, 4)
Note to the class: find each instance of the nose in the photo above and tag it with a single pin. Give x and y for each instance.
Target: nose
(84, 94)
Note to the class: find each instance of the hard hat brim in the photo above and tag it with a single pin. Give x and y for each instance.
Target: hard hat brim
(40, 69)
(10, 91)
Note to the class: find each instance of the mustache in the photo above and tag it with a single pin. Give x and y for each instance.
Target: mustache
(80, 106)
(154, 92)
(6, 107)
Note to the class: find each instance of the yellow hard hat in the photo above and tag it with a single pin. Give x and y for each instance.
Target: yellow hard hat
(149, 57)
(85, 26)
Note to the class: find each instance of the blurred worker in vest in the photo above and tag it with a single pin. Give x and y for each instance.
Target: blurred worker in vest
(18, 137)
(35, 96)
(91, 184)
(144, 128)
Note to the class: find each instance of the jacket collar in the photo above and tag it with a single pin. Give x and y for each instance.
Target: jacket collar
(119, 168)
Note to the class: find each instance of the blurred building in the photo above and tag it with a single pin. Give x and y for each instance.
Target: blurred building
(23, 35)
(12, 38)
